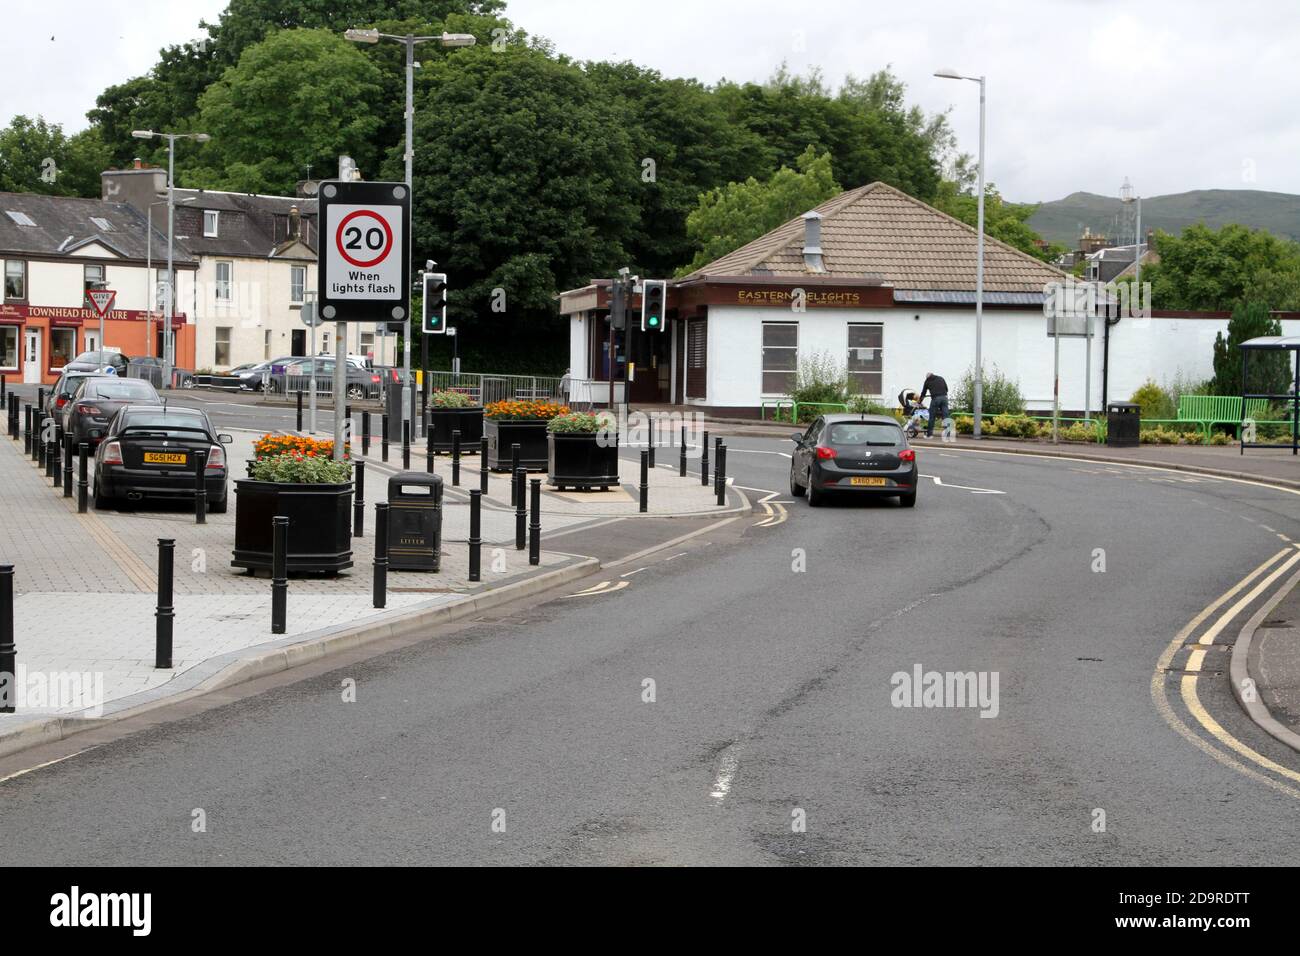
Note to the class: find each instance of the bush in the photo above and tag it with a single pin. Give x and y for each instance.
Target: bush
(820, 379)
(580, 423)
(1159, 436)
(861, 405)
(1221, 438)
(449, 398)
(300, 469)
(1001, 396)
(1155, 401)
(524, 410)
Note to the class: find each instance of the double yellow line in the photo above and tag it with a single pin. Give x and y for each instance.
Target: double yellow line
(1237, 752)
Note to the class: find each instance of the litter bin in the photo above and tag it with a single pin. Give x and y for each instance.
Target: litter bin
(414, 521)
(1123, 424)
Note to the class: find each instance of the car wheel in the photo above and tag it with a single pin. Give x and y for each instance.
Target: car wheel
(218, 507)
(815, 498)
(356, 392)
(101, 501)
(796, 490)
(908, 500)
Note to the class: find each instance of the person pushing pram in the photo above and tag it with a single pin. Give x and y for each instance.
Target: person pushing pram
(915, 415)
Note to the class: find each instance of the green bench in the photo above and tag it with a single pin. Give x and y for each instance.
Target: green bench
(1210, 410)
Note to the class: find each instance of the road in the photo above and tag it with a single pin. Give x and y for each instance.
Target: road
(528, 736)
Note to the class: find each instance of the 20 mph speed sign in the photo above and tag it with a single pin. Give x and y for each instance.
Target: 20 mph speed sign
(363, 247)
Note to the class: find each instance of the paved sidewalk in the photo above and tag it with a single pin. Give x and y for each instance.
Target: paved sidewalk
(1273, 662)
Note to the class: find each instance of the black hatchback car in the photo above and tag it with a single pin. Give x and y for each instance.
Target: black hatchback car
(863, 454)
(97, 399)
(149, 451)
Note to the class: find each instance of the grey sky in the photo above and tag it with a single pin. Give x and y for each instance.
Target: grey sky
(1176, 95)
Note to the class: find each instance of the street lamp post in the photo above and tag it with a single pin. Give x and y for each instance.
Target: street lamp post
(410, 41)
(979, 257)
(169, 334)
(150, 283)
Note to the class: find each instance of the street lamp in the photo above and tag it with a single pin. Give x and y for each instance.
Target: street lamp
(169, 336)
(151, 284)
(410, 41)
(979, 259)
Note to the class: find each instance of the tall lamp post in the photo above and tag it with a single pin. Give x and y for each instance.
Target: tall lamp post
(169, 334)
(410, 41)
(979, 257)
(151, 285)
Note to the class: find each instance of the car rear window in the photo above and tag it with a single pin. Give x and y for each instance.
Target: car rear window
(126, 389)
(864, 433)
(163, 421)
(70, 383)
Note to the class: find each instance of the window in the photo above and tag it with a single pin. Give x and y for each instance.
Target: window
(225, 280)
(21, 218)
(9, 347)
(780, 357)
(93, 276)
(266, 345)
(63, 347)
(368, 344)
(297, 283)
(866, 361)
(221, 354)
(209, 224)
(103, 224)
(15, 280)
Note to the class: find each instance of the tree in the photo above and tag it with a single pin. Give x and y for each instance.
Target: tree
(298, 97)
(727, 218)
(36, 156)
(1005, 221)
(1267, 372)
(1220, 269)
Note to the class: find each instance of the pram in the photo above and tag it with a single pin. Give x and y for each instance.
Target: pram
(915, 415)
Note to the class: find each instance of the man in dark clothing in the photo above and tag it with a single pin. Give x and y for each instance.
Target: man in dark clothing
(937, 389)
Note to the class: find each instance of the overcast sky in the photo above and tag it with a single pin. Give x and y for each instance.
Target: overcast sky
(1175, 94)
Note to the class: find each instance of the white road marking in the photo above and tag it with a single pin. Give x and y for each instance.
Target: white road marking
(755, 451)
(630, 573)
(727, 764)
(41, 766)
(600, 589)
(678, 555)
(977, 491)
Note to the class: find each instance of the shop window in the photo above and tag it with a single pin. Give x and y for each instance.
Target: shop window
(866, 361)
(780, 357)
(63, 347)
(9, 347)
(15, 280)
(221, 355)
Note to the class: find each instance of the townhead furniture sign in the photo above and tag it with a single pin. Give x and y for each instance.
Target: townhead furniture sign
(364, 250)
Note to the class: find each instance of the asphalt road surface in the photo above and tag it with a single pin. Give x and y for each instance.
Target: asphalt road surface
(772, 735)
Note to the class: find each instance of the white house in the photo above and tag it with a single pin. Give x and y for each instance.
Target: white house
(883, 286)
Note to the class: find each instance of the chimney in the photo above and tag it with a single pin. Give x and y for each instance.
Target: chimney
(139, 163)
(295, 223)
(812, 241)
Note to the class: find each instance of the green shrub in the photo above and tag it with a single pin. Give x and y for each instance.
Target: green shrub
(861, 405)
(1155, 401)
(1221, 438)
(448, 398)
(1159, 436)
(820, 379)
(580, 423)
(302, 470)
(1001, 396)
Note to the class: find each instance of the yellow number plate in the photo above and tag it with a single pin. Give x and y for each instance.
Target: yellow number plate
(164, 458)
(867, 481)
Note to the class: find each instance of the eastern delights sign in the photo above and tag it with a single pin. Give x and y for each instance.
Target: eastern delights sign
(812, 298)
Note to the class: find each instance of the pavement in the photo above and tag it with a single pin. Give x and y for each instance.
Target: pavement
(86, 584)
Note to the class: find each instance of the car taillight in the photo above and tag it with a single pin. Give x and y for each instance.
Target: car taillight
(374, 379)
(216, 457)
(824, 452)
(88, 409)
(907, 455)
(113, 453)
(60, 401)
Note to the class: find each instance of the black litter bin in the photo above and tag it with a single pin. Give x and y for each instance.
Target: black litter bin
(414, 521)
(1123, 424)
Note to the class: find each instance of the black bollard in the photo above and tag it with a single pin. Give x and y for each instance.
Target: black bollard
(681, 467)
(40, 401)
(38, 442)
(383, 437)
(653, 428)
(27, 429)
(300, 410)
(67, 466)
(381, 554)
(455, 457)
(8, 652)
(279, 572)
(165, 615)
(483, 465)
(475, 534)
(4, 395)
(54, 458)
(200, 487)
(720, 475)
(83, 483)
(365, 433)
(645, 482)
(406, 444)
(514, 470)
(521, 516)
(428, 456)
(359, 500)
(704, 461)
(535, 522)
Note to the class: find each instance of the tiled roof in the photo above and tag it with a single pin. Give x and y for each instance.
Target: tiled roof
(878, 232)
(63, 223)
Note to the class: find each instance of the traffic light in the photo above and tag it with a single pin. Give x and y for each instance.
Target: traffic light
(618, 304)
(653, 293)
(435, 303)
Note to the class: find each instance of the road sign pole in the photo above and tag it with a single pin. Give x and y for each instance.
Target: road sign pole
(340, 385)
(312, 416)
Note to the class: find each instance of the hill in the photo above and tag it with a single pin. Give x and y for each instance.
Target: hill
(1062, 220)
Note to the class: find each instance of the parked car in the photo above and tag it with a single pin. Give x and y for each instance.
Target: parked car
(149, 452)
(63, 391)
(98, 398)
(99, 361)
(862, 454)
(252, 376)
(390, 374)
(361, 382)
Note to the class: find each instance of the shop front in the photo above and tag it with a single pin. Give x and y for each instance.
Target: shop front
(37, 341)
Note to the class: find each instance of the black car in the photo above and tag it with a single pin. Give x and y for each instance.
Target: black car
(863, 454)
(98, 398)
(63, 390)
(99, 362)
(149, 451)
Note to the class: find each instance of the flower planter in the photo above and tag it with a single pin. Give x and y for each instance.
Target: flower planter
(444, 421)
(320, 525)
(529, 435)
(580, 460)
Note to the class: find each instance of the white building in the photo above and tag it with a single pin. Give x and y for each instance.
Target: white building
(883, 286)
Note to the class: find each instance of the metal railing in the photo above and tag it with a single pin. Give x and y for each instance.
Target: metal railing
(485, 388)
(153, 374)
(289, 385)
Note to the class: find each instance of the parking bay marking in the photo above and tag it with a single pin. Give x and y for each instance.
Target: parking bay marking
(601, 589)
(975, 491)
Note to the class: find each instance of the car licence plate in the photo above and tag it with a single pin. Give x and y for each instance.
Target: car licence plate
(867, 481)
(164, 458)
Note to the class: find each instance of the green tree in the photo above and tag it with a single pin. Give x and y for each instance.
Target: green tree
(1267, 372)
(298, 97)
(727, 218)
(1005, 221)
(1219, 269)
(36, 156)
